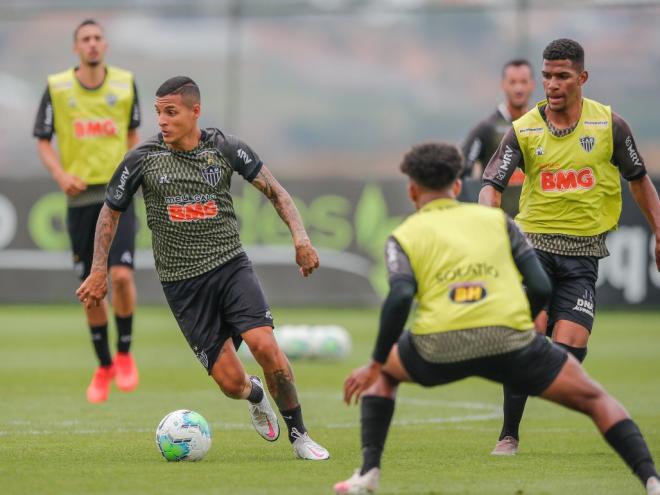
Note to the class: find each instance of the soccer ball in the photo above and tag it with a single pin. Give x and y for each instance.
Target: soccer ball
(183, 436)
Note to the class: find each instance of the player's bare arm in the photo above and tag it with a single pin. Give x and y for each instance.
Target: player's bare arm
(490, 196)
(92, 291)
(69, 184)
(646, 198)
(306, 256)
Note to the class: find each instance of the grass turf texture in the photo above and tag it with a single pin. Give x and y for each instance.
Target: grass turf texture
(54, 442)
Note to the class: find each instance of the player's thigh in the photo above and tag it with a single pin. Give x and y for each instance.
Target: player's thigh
(418, 370)
(572, 387)
(529, 370)
(122, 250)
(243, 302)
(81, 226)
(195, 305)
(228, 371)
(574, 294)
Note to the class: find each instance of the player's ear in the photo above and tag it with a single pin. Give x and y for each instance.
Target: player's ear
(197, 110)
(582, 78)
(457, 187)
(413, 192)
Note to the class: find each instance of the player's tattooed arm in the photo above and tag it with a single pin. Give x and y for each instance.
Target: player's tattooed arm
(306, 256)
(94, 288)
(282, 388)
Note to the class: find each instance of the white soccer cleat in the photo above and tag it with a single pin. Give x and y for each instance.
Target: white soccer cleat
(506, 447)
(263, 417)
(366, 483)
(306, 448)
(653, 486)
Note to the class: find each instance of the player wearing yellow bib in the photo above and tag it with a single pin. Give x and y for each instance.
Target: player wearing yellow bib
(93, 109)
(466, 264)
(573, 151)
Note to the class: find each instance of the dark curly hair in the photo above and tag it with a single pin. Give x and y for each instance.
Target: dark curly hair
(433, 166)
(565, 49)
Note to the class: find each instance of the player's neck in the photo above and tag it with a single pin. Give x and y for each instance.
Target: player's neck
(516, 112)
(565, 118)
(91, 76)
(188, 142)
(428, 196)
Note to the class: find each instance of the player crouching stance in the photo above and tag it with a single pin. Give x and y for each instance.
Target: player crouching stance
(185, 175)
(464, 264)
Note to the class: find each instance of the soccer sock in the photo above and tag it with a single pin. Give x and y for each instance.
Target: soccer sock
(100, 341)
(514, 407)
(627, 440)
(294, 422)
(124, 332)
(579, 352)
(256, 393)
(375, 418)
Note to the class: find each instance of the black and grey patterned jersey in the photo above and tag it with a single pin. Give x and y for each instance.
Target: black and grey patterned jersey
(483, 140)
(186, 193)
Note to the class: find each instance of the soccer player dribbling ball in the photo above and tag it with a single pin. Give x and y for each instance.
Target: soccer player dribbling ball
(93, 110)
(185, 174)
(573, 151)
(463, 263)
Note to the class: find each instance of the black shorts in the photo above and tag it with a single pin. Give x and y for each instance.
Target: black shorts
(529, 370)
(81, 224)
(217, 305)
(574, 288)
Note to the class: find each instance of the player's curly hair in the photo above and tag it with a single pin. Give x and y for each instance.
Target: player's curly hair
(565, 49)
(434, 166)
(180, 85)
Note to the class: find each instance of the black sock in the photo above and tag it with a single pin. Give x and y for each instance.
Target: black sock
(294, 422)
(124, 332)
(514, 407)
(100, 341)
(627, 440)
(257, 392)
(579, 352)
(375, 418)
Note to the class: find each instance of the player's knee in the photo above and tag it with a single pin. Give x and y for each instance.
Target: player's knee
(578, 352)
(264, 349)
(121, 278)
(232, 386)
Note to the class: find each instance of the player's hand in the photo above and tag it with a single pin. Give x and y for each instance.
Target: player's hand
(307, 258)
(70, 184)
(359, 380)
(92, 291)
(657, 251)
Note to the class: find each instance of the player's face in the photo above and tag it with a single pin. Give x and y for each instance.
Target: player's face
(562, 84)
(518, 85)
(176, 119)
(90, 45)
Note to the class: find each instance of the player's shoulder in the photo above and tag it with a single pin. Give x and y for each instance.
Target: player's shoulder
(62, 80)
(118, 72)
(152, 146)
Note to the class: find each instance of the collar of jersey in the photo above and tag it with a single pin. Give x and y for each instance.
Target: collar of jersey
(439, 204)
(202, 139)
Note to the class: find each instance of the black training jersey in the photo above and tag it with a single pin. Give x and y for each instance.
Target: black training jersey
(186, 193)
(483, 140)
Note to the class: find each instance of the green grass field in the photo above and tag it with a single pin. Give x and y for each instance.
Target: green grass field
(54, 442)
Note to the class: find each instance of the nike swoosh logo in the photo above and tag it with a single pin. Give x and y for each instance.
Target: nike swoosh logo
(271, 430)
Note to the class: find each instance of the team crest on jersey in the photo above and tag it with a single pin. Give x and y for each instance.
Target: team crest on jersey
(212, 175)
(587, 143)
(467, 293)
(111, 99)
